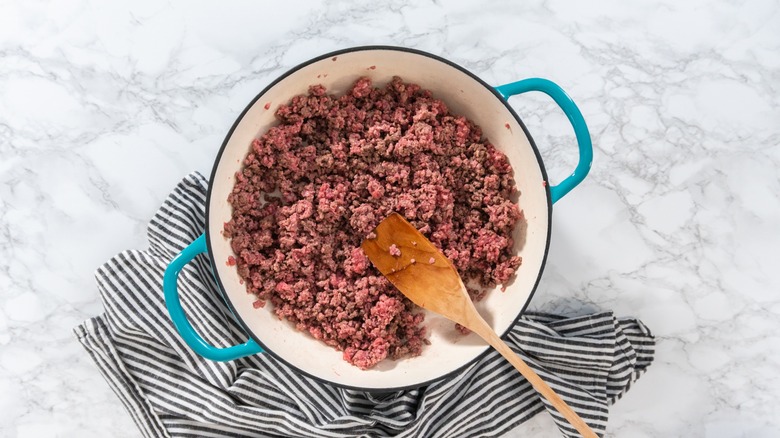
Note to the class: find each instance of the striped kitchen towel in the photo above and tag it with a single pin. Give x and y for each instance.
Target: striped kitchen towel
(591, 361)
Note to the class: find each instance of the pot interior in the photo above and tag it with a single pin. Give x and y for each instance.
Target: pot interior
(464, 95)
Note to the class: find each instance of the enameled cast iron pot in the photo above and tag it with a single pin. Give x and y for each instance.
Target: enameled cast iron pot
(464, 94)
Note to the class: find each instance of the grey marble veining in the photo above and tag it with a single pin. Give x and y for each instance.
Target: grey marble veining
(105, 105)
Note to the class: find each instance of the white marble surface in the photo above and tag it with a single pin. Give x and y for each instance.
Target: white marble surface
(104, 106)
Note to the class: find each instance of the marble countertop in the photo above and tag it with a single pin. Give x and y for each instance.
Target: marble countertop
(104, 106)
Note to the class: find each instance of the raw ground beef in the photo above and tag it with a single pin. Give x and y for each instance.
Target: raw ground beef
(314, 186)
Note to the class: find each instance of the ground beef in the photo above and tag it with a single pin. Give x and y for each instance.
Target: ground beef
(315, 185)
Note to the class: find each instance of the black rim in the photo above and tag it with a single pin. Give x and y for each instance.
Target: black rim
(330, 55)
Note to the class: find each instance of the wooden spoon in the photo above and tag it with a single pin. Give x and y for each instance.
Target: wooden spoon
(428, 278)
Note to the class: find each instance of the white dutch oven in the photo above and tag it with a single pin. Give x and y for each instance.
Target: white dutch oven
(464, 94)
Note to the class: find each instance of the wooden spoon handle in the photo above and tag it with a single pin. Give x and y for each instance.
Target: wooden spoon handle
(539, 385)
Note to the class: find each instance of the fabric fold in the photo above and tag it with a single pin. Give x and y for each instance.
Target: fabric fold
(170, 391)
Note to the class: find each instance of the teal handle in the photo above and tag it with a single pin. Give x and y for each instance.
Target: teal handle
(180, 321)
(575, 118)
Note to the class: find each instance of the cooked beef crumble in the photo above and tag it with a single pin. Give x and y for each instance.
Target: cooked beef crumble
(315, 185)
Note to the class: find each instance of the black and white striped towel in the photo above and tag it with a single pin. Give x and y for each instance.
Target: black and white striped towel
(171, 392)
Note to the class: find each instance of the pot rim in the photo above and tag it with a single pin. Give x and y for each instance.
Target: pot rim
(289, 72)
